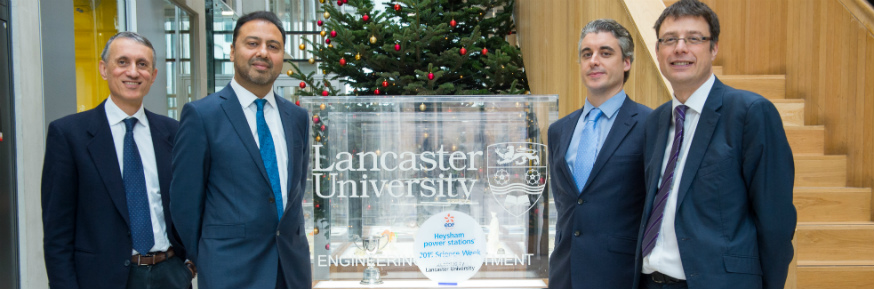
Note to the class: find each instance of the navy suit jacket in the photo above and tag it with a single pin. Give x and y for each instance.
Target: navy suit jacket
(607, 212)
(735, 219)
(84, 208)
(223, 202)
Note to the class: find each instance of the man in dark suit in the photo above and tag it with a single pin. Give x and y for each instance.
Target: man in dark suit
(239, 171)
(105, 197)
(719, 172)
(596, 158)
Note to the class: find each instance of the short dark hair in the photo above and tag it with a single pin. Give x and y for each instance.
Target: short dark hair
(128, 35)
(692, 8)
(258, 15)
(626, 43)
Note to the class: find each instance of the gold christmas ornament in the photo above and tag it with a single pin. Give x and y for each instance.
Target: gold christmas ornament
(422, 107)
(290, 72)
(327, 15)
(302, 46)
(330, 45)
(315, 231)
(322, 107)
(322, 1)
(323, 33)
(372, 39)
(311, 61)
(357, 56)
(318, 138)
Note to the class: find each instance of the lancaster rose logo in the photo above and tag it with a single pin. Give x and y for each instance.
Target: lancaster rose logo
(517, 174)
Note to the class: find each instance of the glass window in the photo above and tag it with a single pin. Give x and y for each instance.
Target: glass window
(177, 35)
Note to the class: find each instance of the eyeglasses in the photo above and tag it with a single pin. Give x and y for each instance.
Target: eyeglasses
(692, 40)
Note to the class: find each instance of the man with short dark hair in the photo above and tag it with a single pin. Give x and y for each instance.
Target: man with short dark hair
(105, 185)
(596, 160)
(239, 171)
(719, 171)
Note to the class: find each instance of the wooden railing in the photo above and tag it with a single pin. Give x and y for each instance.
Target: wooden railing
(549, 32)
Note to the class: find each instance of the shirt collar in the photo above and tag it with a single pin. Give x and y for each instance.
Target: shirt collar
(698, 98)
(247, 98)
(115, 115)
(609, 107)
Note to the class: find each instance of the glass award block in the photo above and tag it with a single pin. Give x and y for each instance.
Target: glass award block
(382, 165)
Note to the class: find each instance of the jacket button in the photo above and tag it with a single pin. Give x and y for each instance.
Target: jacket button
(580, 201)
(577, 233)
(277, 232)
(272, 200)
(126, 263)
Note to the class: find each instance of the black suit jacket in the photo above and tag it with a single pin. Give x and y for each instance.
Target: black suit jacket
(84, 208)
(607, 212)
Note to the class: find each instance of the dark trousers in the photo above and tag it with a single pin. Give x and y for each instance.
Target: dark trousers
(280, 278)
(646, 282)
(170, 274)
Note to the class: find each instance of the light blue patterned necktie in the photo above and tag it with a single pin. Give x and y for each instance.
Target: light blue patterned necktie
(134, 179)
(268, 155)
(587, 151)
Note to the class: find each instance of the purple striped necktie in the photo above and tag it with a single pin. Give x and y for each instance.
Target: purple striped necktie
(653, 226)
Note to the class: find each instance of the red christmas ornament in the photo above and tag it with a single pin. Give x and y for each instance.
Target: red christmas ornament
(397, 47)
(453, 23)
(333, 33)
(322, 128)
(328, 247)
(342, 61)
(485, 51)
(397, 7)
(320, 23)
(345, 1)
(384, 83)
(297, 102)
(328, 41)
(376, 91)
(317, 206)
(303, 84)
(316, 118)
(324, 93)
(339, 2)
(430, 76)
(365, 17)
(463, 51)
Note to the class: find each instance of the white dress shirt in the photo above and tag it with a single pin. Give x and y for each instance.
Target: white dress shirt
(143, 138)
(271, 116)
(665, 256)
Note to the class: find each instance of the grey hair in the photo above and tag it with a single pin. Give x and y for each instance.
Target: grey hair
(132, 36)
(626, 44)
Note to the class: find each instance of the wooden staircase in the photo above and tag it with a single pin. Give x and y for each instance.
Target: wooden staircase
(835, 234)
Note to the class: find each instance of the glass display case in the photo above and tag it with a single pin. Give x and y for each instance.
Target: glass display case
(382, 165)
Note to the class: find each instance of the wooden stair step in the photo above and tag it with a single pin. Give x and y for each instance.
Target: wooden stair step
(769, 86)
(806, 139)
(818, 170)
(838, 277)
(835, 242)
(791, 111)
(833, 204)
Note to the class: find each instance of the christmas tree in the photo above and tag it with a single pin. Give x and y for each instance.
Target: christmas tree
(416, 47)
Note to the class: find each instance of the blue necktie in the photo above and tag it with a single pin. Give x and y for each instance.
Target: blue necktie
(587, 151)
(654, 225)
(135, 190)
(268, 155)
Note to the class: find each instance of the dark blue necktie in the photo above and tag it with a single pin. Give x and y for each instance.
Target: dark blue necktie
(135, 190)
(587, 150)
(654, 225)
(268, 155)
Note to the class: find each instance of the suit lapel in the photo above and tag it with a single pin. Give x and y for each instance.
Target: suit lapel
(163, 151)
(288, 127)
(105, 158)
(564, 144)
(235, 115)
(701, 141)
(625, 120)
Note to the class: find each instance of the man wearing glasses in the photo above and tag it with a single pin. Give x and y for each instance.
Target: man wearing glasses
(719, 172)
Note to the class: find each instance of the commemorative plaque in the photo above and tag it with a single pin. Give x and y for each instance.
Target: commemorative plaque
(381, 166)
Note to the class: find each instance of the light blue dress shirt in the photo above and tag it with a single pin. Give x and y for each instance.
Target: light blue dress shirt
(610, 109)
